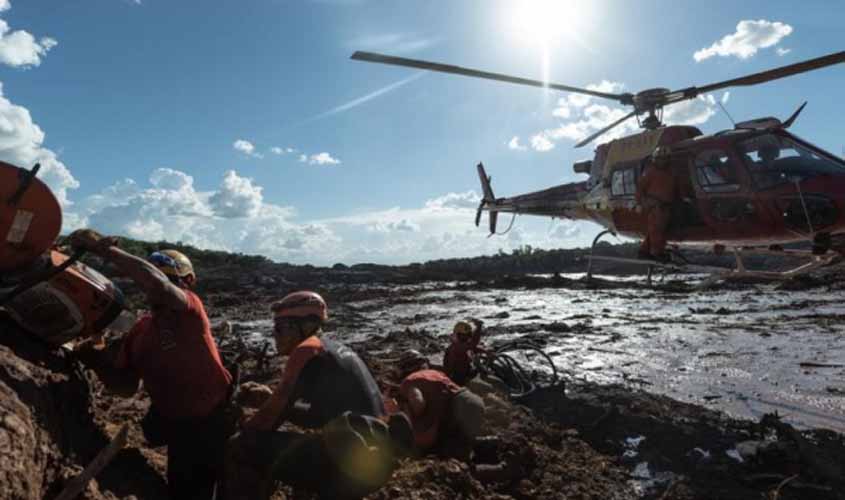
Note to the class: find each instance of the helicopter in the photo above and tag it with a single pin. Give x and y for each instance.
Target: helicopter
(753, 188)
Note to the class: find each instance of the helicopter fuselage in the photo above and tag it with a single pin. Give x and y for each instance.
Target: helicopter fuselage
(742, 187)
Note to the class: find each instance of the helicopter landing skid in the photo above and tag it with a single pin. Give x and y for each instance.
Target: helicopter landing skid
(740, 272)
(653, 264)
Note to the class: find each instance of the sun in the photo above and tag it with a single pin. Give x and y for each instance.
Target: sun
(544, 22)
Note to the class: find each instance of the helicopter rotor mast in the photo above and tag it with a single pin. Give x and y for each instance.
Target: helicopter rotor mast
(649, 102)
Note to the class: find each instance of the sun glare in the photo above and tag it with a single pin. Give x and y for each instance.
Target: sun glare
(544, 21)
(550, 26)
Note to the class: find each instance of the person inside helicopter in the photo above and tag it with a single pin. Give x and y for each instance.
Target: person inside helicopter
(768, 153)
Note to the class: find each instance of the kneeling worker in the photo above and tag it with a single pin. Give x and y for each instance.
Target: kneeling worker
(463, 346)
(322, 381)
(444, 416)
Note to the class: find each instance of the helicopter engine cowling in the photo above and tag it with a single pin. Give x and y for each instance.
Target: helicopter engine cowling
(583, 167)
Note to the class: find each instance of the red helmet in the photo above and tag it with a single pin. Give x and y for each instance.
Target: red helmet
(301, 305)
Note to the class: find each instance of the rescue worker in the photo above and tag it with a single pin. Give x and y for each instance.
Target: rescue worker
(458, 359)
(656, 193)
(445, 417)
(324, 385)
(326, 377)
(171, 349)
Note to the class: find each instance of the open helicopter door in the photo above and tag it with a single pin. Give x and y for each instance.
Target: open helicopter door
(726, 202)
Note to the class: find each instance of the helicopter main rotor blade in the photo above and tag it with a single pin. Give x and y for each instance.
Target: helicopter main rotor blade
(602, 131)
(762, 77)
(457, 70)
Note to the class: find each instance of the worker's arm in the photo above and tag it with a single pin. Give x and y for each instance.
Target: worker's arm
(154, 283)
(279, 407)
(272, 413)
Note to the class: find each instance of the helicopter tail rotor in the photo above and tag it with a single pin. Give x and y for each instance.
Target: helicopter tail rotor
(487, 200)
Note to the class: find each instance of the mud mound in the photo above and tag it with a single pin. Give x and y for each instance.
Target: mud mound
(47, 429)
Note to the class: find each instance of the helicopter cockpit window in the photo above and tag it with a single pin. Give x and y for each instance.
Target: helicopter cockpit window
(623, 181)
(715, 172)
(775, 159)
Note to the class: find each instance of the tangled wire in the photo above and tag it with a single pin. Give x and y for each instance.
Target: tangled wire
(517, 378)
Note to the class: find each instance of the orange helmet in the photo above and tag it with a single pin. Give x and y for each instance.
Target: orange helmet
(301, 305)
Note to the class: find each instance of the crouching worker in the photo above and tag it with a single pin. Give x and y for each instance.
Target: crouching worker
(463, 348)
(464, 355)
(446, 418)
(322, 381)
(172, 351)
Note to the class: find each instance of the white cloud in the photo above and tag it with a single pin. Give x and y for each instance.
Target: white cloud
(404, 225)
(320, 159)
(237, 197)
(303, 158)
(21, 144)
(276, 150)
(585, 118)
(167, 178)
(451, 201)
(246, 148)
(233, 218)
(750, 36)
(692, 112)
(170, 208)
(564, 230)
(782, 51)
(515, 145)
(563, 108)
(19, 48)
(541, 143)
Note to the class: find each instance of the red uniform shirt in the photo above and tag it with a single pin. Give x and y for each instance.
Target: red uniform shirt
(457, 362)
(176, 357)
(437, 390)
(657, 183)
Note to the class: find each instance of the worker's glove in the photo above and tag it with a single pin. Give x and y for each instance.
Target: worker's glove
(90, 240)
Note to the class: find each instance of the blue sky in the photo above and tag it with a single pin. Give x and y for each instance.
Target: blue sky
(245, 126)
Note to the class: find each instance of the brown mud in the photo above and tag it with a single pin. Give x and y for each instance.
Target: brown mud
(578, 439)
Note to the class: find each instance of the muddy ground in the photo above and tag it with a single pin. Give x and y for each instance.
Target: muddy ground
(653, 400)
